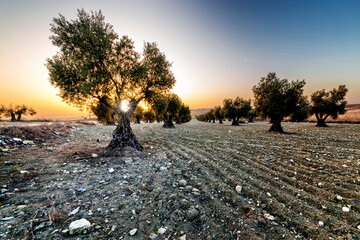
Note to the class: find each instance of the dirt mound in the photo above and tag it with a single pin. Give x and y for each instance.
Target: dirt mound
(38, 134)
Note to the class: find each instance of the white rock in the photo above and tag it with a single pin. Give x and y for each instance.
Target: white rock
(320, 184)
(183, 237)
(358, 227)
(269, 216)
(94, 155)
(111, 170)
(23, 171)
(269, 194)
(344, 166)
(75, 211)
(321, 223)
(338, 197)
(182, 183)
(79, 225)
(133, 232)
(153, 236)
(163, 169)
(346, 209)
(28, 142)
(238, 189)
(161, 230)
(17, 139)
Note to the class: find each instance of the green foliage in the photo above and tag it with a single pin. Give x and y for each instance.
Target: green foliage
(218, 113)
(277, 99)
(104, 114)
(138, 114)
(236, 109)
(149, 116)
(329, 104)
(94, 65)
(184, 114)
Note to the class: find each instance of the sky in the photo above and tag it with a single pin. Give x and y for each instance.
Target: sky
(219, 49)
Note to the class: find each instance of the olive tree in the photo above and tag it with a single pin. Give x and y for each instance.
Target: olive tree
(93, 65)
(277, 99)
(219, 114)
(138, 114)
(167, 107)
(17, 111)
(184, 114)
(328, 104)
(236, 109)
(149, 116)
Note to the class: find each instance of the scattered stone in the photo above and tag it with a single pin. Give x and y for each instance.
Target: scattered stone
(358, 227)
(188, 188)
(269, 216)
(9, 163)
(153, 236)
(128, 160)
(172, 196)
(94, 155)
(162, 169)
(111, 170)
(182, 183)
(320, 184)
(321, 223)
(183, 237)
(21, 207)
(40, 226)
(97, 227)
(338, 197)
(75, 211)
(4, 149)
(106, 220)
(17, 140)
(70, 192)
(192, 213)
(268, 194)
(238, 189)
(79, 225)
(344, 166)
(346, 209)
(177, 172)
(23, 171)
(81, 189)
(65, 231)
(28, 142)
(50, 149)
(161, 230)
(133, 232)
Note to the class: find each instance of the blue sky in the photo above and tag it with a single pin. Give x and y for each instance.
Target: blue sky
(218, 48)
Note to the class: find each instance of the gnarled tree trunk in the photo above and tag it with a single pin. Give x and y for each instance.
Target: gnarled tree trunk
(220, 121)
(321, 121)
(168, 123)
(276, 126)
(235, 122)
(178, 121)
(13, 118)
(123, 135)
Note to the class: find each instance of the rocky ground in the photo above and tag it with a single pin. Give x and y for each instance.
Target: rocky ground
(198, 181)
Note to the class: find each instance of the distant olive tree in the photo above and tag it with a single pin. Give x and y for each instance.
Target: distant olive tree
(219, 114)
(184, 114)
(16, 112)
(149, 116)
(167, 107)
(94, 65)
(277, 99)
(236, 109)
(328, 104)
(138, 114)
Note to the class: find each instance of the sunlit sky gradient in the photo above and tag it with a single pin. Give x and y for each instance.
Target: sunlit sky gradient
(218, 48)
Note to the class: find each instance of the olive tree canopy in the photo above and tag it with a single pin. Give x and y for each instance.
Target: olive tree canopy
(94, 65)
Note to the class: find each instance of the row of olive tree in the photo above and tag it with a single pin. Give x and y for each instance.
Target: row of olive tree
(16, 112)
(233, 109)
(278, 99)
